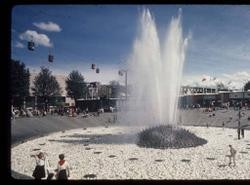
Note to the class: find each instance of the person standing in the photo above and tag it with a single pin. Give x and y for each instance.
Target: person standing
(13, 115)
(242, 132)
(232, 155)
(39, 171)
(238, 132)
(63, 171)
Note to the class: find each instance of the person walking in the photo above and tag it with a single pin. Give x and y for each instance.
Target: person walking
(232, 155)
(242, 132)
(39, 171)
(63, 171)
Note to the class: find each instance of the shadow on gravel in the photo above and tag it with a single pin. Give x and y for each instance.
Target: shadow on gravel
(17, 175)
(98, 139)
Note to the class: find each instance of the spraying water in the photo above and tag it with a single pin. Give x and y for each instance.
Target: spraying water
(155, 72)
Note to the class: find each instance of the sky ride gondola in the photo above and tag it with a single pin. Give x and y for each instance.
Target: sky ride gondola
(50, 58)
(120, 73)
(97, 70)
(31, 45)
(93, 66)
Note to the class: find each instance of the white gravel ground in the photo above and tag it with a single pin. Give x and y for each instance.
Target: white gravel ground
(206, 162)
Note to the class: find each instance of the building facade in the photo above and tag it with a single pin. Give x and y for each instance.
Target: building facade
(63, 99)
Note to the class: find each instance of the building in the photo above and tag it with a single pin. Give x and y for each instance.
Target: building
(33, 101)
(192, 96)
(186, 90)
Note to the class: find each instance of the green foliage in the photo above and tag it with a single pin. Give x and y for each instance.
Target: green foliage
(45, 84)
(75, 85)
(20, 77)
(247, 86)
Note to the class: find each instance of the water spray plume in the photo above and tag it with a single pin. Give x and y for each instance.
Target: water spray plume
(155, 72)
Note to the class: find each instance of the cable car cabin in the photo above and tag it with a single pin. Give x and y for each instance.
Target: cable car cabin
(93, 66)
(31, 46)
(97, 70)
(120, 73)
(50, 58)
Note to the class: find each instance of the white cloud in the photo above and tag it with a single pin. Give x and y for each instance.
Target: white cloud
(233, 81)
(19, 45)
(50, 26)
(39, 39)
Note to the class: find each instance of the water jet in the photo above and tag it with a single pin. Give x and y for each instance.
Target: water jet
(155, 73)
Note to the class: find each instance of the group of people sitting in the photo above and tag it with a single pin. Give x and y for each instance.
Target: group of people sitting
(43, 169)
(27, 113)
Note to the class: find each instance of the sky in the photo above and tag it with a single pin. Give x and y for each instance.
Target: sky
(80, 35)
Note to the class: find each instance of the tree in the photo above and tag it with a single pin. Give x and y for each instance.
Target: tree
(20, 82)
(46, 85)
(247, 86)
(75, 85)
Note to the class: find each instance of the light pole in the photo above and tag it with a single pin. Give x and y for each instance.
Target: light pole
(121, 73)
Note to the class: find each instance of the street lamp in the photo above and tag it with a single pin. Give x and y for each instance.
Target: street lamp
(121, 73)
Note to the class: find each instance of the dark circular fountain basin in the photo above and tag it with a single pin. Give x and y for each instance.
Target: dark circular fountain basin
(167, 136)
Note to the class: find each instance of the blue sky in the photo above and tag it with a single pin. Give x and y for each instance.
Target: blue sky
(80, 35)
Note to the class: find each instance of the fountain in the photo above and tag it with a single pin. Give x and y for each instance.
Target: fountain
(155, 72)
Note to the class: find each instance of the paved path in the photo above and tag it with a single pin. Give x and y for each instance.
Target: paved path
(196, 117)
(23, 129)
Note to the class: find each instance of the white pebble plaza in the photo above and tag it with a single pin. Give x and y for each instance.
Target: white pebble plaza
(112, 153)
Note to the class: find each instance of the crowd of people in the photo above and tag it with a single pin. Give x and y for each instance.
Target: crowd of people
(62, 111)
(41, 112)
(27, 112)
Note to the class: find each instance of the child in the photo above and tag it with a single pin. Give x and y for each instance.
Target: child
(39, 171)
(62, 168)
(232, 155)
